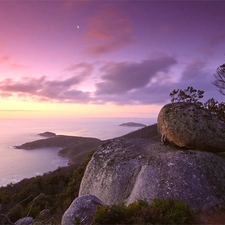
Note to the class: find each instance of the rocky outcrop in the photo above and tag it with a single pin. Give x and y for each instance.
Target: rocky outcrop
(191, 126)
(44, 215)
(126, 170)
(25, 221)
(81, 211)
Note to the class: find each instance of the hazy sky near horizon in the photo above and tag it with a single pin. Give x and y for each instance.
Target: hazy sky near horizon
(106, 58)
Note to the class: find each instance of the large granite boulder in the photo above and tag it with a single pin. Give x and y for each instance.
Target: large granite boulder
(127, 170)
(81, 210)
(191, 126)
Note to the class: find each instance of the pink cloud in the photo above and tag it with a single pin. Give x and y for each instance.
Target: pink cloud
(69, 5)
(82, 69)
(109, 31)
(4, 58)
(7, 60)
(18, 66)
(5, 94)
(166, 27)
(29, 85)
(41, 89)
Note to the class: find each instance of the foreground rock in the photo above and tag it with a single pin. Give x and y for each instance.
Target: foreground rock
(126, 170)
(190, 126)
(25, 221)
(82, 210)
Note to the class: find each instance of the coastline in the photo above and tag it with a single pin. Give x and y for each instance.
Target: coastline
(27, 164)
(74, 148)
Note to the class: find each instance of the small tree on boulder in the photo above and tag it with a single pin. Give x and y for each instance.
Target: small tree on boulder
(216, 108)
(220, 79)
(189, 95)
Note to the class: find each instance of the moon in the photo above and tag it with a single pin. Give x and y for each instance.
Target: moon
(78, 26)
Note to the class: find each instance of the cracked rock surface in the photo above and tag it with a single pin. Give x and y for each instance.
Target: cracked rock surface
(127, 170)
(190, 126)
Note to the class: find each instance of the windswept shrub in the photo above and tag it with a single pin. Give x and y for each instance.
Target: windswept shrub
(114, 214)
(220, 79)
(173, 211)
(216, 108)
(161, 211)
(191, 95)
(16, 213)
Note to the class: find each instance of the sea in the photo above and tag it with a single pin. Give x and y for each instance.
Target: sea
(17, 164)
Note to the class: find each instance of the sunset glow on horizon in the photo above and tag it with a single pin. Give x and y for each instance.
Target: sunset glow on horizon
(106, 58)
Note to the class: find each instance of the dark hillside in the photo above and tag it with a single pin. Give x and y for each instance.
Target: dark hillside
(59, 141)
(78, 151)
(74, 148)
(149, 132)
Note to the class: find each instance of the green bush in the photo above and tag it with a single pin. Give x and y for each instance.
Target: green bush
(191, 95)
(161, 211)
(16, 213)
(173, 211)
(110, 215)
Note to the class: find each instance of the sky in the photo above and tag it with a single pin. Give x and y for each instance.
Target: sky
(62, 58)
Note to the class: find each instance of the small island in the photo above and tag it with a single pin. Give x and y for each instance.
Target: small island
(47, 134)
(132, 124)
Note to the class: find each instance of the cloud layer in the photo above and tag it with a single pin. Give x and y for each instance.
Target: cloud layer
(108, 31)
(147, 82)
(124, 77)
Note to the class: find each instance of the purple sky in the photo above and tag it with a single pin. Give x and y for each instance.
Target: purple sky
(107, 53)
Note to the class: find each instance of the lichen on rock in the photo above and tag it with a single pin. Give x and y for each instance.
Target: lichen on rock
(127, 170)
(190, 126)
(81, 210)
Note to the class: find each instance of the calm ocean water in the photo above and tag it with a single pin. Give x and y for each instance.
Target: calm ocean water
(17, 164)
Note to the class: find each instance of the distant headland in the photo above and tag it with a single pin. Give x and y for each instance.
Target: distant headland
(47, 134)
(132, 124)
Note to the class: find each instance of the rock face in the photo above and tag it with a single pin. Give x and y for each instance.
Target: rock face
(190, 126)
(126, 170)
(81, 211)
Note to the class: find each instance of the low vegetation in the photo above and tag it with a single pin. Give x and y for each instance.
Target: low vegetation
(159, 212)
